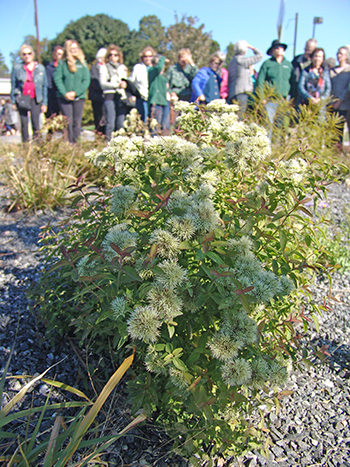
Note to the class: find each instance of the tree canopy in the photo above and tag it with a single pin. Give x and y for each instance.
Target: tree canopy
(4, 71)
(94, 32)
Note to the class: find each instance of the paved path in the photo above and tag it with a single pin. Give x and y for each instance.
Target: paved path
(16, 139)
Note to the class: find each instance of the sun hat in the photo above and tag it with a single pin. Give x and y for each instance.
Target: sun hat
(274, 44)
(101, 53)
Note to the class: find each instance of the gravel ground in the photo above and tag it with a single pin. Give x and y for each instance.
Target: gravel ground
(313, 425)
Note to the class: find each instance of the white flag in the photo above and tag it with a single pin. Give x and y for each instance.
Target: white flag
(280, 19)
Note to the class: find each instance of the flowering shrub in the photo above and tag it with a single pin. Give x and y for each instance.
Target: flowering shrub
(199, 258)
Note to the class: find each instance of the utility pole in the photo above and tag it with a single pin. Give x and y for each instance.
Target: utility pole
(37, 32)
(317, 20)
(295, 33)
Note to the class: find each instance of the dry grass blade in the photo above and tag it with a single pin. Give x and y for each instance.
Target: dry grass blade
(52, 441)
(90, 417)
(21, 394)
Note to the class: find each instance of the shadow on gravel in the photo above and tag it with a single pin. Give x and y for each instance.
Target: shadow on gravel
(335, 355)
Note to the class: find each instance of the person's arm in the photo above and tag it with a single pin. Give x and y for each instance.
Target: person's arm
(45, 89)
(248, 61)
(84, 82)
(302, 86)
(261, 77)
(105, 79)
(199, 82)
(13, 85)
(58, 79)
(154, 71)
(327, 84)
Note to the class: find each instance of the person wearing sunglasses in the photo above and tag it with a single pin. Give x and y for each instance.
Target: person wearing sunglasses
(29, 90)
(139, 77)
(72, 79)
(112, 80)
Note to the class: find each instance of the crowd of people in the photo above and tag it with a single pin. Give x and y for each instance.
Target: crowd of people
(152, 89)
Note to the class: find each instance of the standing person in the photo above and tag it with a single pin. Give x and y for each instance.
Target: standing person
(239, 74)
(180, 76)
(340, 80)
(72, 79)
(139, 77)
(157, 96)
(277, 72)
(53, 107)
(95, 90)
(112, 79)
(315, 83)
(10, 118)
(29, 90)
(299, 63)
(223, 73)
(206, 83)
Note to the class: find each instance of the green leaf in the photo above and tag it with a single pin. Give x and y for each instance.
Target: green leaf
(185, 246)
(214, 257)
(171, 330)
(179, 364)
(132, 273)
(283, 240)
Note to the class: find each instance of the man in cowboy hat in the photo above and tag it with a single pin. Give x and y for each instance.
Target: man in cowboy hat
(277, 72)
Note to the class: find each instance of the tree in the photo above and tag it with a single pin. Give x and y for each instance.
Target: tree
(4, 71)
(29, 39)
(151, 32)
(184, 34)
(92, 33)
(229, 53)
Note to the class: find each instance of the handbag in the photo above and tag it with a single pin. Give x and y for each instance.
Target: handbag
(23, 102)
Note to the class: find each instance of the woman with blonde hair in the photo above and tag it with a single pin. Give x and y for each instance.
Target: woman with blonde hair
(72, 79)
(113, 83)
(29, 90)
(139, 77)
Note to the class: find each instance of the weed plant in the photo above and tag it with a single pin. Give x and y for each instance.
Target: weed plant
(199, 258)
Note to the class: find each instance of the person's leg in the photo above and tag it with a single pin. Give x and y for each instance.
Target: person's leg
(66, 108)
(242, 100)
(35, 118)
(98, 112)
(78, 108)
(24, 124)
(156, 112)
(141, 108)
(166, 119)
(110, 118)
(122, 110)
(271, 109)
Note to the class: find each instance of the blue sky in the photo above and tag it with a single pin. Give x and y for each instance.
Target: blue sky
(229, 21)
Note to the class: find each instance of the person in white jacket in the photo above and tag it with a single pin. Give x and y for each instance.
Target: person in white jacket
(112, 80)
(139, 77)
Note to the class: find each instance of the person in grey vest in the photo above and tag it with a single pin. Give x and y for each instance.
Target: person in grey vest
(239, 76)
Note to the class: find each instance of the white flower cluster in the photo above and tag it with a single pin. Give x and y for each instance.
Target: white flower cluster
(249, 272)
(86, 267)
(120, 236)
(163, 303)
(123, 200)
(295, 170)
(198, 212)
(254, 373)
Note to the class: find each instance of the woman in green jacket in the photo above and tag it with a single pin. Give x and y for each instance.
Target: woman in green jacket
(72, 79)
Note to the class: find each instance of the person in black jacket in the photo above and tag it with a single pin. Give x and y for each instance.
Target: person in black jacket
(95, 91)
(52, 106)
